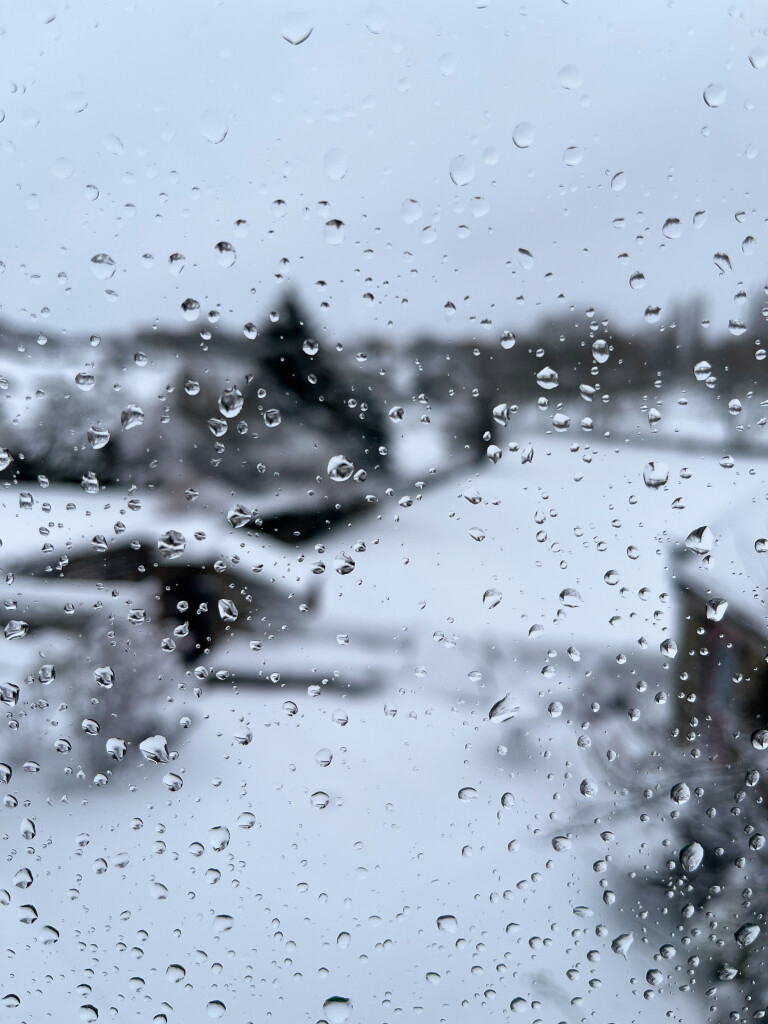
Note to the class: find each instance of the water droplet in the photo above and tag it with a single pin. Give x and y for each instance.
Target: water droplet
(523, 135)
(702, 370)
(340, 717)
(337, 1009)
(761, 545)
(213, 125)
(89, 1013)
(175, 973)
(600, 350)
(655, 474)
(215, 1008)
(15, 629)
(340, 468)
(461, 170)
(492, 598)
(747, 934)
(343, 564)
(228, 610)
(561, 844)
(691, 857)
(588, 787)
(320, 800)
(570, 77)
(759, 739)
(103, 266)
(131, 416)
(231, 402)
(105, 676)
(343, 940)
(547, 378)
(447, 923)
(723, 262)
(324, 757)
(619, 181)
(637, 280)
(27, 829)
(570, 598)
(171, 544)
(680, 793)
(155, 749)
(758, 58)
(296, 27)
(672, 228)
(467, 793)
(218, 838)
(716, 609)
(668, 648)
(503, 710)
(572, 156)
(714, 94)
(225, 254)
(335, 164)
(246, 819)
(621, 944)
(272, 418)
(333, 231)
(519, 1005)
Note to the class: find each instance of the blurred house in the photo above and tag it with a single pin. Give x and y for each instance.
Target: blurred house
(722, 578)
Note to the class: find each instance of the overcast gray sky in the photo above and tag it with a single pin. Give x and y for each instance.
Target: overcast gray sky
(367, 114)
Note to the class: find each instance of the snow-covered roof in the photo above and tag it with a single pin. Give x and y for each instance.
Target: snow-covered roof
(730, 562)
(65, 523)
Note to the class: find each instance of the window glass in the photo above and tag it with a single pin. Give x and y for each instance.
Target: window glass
(382, 511)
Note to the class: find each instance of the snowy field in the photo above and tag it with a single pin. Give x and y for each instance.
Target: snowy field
(393, 844)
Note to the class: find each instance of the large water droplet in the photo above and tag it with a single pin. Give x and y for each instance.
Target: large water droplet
(503, 710)
(218, 838)
(655, 474)
(228, 610)
(15, 629)
(547, 378)
(340, 468)
(492, 598)
(171, 544)
(103, 266)
(155, 749)
(747, 934)
(97, 436)
(337, 1009)
(213, 125)
(691, 857)
(335, 164)
(296, 27)
(225, 254)
(715, 94)
(131, 416)
(461, 170)
(333, 231)
(231, 402)
(672, 228)
(523, 135)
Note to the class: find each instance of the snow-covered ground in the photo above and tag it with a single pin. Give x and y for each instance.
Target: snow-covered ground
(398, 845)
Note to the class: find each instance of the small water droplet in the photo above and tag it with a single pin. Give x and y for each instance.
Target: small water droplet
(228, 610)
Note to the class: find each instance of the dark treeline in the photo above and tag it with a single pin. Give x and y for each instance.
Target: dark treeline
(306, 398)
